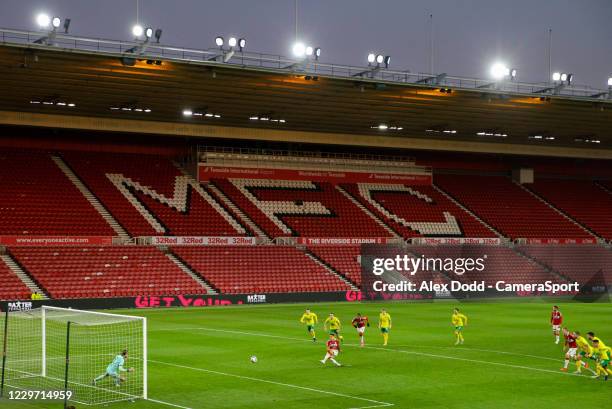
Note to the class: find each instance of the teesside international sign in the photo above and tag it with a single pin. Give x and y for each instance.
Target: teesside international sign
(206, 172)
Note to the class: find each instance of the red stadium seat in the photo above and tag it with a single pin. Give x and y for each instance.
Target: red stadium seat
(270, 269)
(507, 207)
(82, 272)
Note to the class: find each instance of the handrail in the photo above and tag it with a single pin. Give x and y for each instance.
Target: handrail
(66, 42)
(304, 154)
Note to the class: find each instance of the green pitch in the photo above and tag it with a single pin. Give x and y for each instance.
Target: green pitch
(199, 358)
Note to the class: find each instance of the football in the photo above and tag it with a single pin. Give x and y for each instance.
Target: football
(253, 359)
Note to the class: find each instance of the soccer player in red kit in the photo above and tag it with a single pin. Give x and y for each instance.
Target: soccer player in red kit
(333, 349)
(360, 322)
(556, 319)
(570, 347)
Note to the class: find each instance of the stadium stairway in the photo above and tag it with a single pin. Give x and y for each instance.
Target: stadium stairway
(218, 194)
(584, 263)
(468, 211)
(93, 200)
(562, 213)
(512, 209)
(607, 186)
(220, 205)
(189, 271)
(518, 250)
(23, 276)
(331, 269)
(368, 212)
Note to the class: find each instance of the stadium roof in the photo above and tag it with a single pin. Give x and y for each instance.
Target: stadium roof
(35, 78)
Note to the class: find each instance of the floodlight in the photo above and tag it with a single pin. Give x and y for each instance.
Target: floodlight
(309, 51)
(317, 52)
(187, 112)
(241, 43)
(137, 30)
(569, 78)
(371, 58)
(379, 59)
(219, 41)
(299, 49)
(563, 77)
(149, 32)
(513, 73)
(383, 127)
(43, 20)
(610, 82)
(232, 42)
(387, 61)
(158, 34)
(556, 76)
(56, 22)
(499, 70)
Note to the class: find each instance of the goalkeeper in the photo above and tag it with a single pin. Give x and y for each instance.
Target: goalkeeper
(113, 370)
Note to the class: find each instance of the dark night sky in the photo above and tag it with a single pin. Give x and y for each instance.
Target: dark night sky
(469, 34)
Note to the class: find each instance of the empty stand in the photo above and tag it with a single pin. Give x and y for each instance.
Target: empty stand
(583, 200)
(268, 269)
(606, 184)
(415, 211)
(583, 263)
(509, 208)
(148, 195)
(299, 208)
(38, 199)
(12, 288)
(82, 272)
(500, 264)
(343, 259)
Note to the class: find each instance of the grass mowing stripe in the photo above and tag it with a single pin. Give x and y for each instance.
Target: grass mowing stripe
(306, 388)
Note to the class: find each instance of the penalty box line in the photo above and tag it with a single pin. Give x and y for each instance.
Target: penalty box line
(388, 350)
(377, 404)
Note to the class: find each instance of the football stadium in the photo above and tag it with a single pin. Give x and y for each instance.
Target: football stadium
(219, 227)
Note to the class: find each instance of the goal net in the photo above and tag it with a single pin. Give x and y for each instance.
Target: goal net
(38, 341)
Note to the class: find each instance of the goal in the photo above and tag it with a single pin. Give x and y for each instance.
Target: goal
(62, 349)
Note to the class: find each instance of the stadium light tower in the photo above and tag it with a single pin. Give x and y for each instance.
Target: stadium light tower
(303, 51)
(233, 43)
(299, 50)
(560, 81)
(562, 78)
(148, 33)
(499, 71)
(51, 25)
(137, 30)
(375, 63)
(43, 20)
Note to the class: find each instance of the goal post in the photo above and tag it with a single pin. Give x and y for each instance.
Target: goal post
(38, 346)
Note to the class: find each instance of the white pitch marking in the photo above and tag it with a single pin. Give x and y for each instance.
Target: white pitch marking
(306, 388)
(161, 402)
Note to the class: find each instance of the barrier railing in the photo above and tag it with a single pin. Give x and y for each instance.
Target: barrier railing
(65, 42)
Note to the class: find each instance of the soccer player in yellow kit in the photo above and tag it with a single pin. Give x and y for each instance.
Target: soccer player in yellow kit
(459, 321)
(604, 355)
(586, 351)
(310, 319)
(384, 324)
(333, 323)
